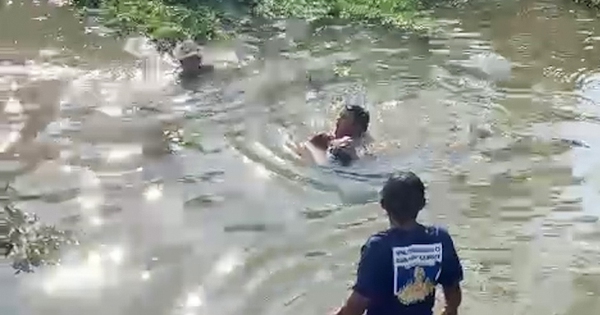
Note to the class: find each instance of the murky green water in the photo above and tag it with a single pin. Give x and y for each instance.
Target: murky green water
(236, 225)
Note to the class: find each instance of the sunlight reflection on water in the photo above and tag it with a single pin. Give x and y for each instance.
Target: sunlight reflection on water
(95, 272)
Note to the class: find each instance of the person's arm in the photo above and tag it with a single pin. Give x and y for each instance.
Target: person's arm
(356, 304)
(453, 296)
(321, 140)
(301, 152)
(451, 275)
(367, 283)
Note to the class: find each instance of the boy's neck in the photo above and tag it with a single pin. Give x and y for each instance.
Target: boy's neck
(405, 225)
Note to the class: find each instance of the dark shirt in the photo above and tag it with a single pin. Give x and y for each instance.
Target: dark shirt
(193, 78)
(399, 269)
(342, 156)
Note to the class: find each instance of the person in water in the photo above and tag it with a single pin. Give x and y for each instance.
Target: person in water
(350, 134)
(400, 267)
(189, 54)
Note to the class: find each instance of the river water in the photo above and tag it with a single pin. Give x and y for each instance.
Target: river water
(496, 110)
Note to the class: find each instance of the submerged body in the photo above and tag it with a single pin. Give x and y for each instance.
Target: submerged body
(346, 144)
(190, 59)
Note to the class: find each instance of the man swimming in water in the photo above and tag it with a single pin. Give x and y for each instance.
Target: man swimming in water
(399, 268)
(189, 55)
(342, 146)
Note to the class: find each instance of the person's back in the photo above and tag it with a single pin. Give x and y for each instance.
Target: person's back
(399, 268)
(407, 266)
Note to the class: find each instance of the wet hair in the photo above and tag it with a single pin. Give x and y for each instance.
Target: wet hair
(403, 196)
(341, 156)
(361, 116)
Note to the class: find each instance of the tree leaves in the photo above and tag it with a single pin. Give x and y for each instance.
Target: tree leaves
(168, 21)
(33, 244)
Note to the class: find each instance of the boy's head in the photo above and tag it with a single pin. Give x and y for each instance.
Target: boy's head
(189, 55)
(403, 196)
(353, 121)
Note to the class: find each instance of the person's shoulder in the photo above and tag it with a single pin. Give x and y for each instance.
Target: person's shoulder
(375, 245)
(378, 238)
(438, 232)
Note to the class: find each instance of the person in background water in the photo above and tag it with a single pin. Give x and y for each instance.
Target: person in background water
(189, 55)
(350, 135)
(399, 268)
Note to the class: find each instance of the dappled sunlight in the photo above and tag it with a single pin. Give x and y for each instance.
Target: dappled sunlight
(12, 137)
(13, 107)
(96, 221)
(123, 153)
(74, 279)
(193, 301)
(99, 270)
(90, 203)
(229, 262)
(153, 192)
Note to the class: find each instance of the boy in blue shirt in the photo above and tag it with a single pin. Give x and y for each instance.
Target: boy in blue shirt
(399, 268)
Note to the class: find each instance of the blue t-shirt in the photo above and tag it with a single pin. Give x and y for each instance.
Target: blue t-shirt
(399, 269)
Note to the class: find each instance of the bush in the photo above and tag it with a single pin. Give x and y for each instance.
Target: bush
(167, 21)
(387, 12)
(164, 21)
(589, 3)
(29, 243)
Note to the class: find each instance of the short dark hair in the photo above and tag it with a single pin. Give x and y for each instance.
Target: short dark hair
(361, 116)
(403, 196)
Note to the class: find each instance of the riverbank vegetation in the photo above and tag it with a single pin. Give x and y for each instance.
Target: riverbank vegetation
(171, 20)
(590, 3)
(29, 243)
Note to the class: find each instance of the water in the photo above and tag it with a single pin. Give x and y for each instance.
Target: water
(235, 224)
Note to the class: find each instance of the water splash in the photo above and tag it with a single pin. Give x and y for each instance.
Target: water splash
(152, 62)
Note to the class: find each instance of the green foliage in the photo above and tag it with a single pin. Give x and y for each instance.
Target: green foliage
(164, 21)
(167, 21)
(386, 12)
(308, 9)
(31, 243)
(589, 3)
